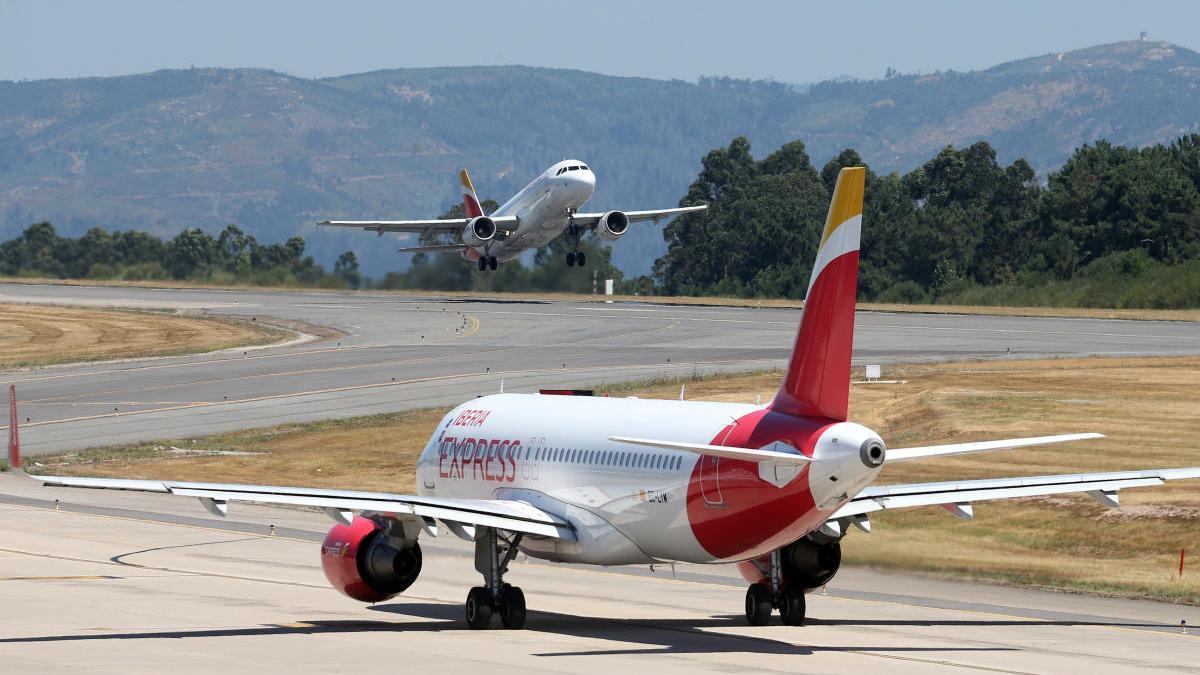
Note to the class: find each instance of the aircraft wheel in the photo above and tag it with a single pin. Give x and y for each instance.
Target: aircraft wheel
(479, 608)
(580, 259)
(758, 605)
(492, 262)
(571, 259)
(483, 264)
(792, 607)
(512, 607)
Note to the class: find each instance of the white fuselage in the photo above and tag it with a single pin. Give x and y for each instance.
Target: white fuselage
(542, 209)
(629, 504)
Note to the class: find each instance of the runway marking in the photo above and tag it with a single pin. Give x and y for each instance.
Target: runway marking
(198, 361)
(473, 322)
(283, 373)
(856, 325)
(82, 577)
(372, 385)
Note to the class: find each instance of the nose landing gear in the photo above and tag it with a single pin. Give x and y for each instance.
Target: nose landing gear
(492, 555)
(575, 256)
(487, 262)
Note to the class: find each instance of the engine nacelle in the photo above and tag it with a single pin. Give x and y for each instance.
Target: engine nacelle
(363, 562)
(809, 563)
(612, 225)
(479, 231)
(806, 563)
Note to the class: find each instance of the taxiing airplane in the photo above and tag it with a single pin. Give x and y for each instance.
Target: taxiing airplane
(541, 211)
(622, 481)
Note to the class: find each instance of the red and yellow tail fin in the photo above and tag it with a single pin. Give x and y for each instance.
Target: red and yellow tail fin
(470, 201)
(817, 382)
(14, 431)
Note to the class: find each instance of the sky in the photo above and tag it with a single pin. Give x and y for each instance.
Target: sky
(795, 42)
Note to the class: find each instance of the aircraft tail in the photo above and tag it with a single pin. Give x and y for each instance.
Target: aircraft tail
(14, 431)
(470, 201)
(817, 382)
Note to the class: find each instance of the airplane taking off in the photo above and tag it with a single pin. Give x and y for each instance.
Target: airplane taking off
(621, 481)
(541, 211)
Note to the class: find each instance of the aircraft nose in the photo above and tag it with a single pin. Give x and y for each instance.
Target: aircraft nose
(584, 177)
(585, 181)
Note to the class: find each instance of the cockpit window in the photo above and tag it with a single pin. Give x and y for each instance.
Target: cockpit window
(584, 167)
(560, 171)
(572, 168)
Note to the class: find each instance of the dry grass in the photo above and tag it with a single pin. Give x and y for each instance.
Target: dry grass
(38, 335)
(1148, 407)
(1073, 312)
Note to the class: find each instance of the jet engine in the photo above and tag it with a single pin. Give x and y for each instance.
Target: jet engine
(479, 231)
(363, 562)
(807, 563)
(612, 225)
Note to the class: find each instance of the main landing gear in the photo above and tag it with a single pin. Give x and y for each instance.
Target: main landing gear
(771, 594)
(487, 262)
(492, 555)
(574, 232)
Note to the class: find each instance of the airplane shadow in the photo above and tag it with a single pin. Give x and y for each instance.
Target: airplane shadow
(656, 636)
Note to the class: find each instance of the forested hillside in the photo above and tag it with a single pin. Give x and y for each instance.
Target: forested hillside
(1114, 227)
(204, 148)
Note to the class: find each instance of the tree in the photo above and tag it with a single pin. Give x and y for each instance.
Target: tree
(191, 253)
(759, 234)
(346, 267)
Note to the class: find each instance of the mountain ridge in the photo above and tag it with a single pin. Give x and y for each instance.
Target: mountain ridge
(275, 153)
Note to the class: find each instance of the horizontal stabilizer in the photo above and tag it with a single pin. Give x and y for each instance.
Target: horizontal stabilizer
(719, 451)
(885, 497)
(903, 454)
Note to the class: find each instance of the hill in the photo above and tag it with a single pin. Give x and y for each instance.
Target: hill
(273, 153)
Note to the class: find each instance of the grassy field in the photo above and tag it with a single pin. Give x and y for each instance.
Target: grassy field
(39, 335)
(1075, 312)
(1148, 408)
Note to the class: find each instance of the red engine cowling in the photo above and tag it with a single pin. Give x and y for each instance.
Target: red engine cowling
(805, 563)
(363, 563)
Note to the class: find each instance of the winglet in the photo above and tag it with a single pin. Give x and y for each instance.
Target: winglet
(471, 206)
(817, 382)
(14, 431)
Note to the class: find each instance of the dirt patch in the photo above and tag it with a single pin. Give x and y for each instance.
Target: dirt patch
(39, 335)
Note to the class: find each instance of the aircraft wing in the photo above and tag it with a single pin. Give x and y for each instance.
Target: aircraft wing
(592, 219)
(957, 496)
(503, 223)
(433, 248)
(504, 514)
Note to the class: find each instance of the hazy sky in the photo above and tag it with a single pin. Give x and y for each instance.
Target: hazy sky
(785, 41)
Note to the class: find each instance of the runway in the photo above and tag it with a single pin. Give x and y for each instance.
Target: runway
(401, 352)
(128, 583)
(124, 582)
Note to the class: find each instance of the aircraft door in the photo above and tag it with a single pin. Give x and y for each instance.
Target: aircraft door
(710, 480)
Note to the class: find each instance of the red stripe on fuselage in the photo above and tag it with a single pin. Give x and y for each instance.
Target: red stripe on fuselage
(735, 514)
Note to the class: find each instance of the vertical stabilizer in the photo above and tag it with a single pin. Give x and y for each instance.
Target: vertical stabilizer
(14, 431)
(470, 201)
(817, 382)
